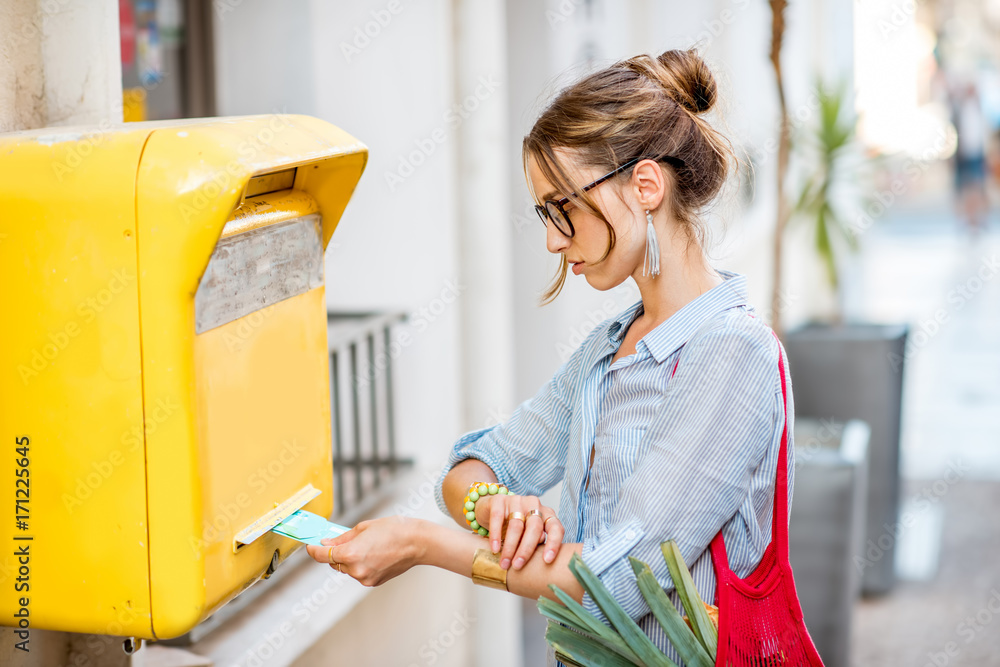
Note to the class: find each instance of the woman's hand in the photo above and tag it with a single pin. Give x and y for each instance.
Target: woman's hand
(373, 552)
(521, 537)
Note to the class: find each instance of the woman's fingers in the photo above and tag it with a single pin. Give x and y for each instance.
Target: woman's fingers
(344, 537)
(483, 511)
(554, 532)
(380, 550)
(529, 541)
(515, 527)
(328, 554)
(498, 514)
(318, 553)
(519, 543)
(328, 551)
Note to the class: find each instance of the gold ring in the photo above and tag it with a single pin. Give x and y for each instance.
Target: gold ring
(329, 556)
(515, 515)
(536, 513)
(551, 516)
(338, 568)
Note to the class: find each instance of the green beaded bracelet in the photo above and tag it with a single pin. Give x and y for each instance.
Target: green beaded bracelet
(478, 490)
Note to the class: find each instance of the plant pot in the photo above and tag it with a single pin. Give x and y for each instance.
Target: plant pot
(826, 529)
(855, 371)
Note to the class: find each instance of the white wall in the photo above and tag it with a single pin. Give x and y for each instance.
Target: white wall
(385, 72)
(264, 60)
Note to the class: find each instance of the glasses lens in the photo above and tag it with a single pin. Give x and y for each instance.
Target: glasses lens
(557, 217)
(542, 215)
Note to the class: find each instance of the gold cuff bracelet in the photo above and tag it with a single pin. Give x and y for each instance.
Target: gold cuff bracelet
(486, 570)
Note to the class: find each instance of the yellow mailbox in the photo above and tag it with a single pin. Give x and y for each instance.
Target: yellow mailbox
(164, 399)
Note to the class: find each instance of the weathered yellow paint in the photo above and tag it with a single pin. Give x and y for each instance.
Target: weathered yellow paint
(151, 446)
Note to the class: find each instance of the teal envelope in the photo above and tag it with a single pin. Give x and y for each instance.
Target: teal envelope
(308, 528)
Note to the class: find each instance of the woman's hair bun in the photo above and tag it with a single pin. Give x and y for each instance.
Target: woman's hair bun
(689, 80)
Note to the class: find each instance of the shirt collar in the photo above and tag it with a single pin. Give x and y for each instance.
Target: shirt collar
(677, 330)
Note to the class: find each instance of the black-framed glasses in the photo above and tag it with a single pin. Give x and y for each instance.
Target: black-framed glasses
(552, 209)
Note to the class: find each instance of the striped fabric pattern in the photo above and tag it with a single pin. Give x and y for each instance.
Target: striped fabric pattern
(675, 456)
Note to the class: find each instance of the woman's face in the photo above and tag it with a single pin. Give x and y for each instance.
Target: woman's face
(584, 250)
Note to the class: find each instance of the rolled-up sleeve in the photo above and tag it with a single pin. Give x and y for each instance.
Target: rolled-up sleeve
(697, 460)
(528, 451)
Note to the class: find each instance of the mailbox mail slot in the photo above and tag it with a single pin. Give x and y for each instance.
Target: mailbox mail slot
(165, 392)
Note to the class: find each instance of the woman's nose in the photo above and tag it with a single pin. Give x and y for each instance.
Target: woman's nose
(555, 240)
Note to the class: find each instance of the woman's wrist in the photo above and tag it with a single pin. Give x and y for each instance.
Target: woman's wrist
(421, 539)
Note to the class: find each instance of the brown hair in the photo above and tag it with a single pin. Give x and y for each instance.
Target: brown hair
(641, 107)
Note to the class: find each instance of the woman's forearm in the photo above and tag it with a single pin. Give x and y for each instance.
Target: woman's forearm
(454, 550)
(457, 482)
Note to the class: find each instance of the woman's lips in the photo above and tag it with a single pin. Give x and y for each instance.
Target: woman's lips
(577, 267)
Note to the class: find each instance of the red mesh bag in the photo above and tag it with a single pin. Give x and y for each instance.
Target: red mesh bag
(760, 619)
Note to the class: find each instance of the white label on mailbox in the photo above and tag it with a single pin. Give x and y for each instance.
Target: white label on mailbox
(255, 269)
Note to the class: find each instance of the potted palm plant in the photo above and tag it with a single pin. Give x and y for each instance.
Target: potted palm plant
(842, 368)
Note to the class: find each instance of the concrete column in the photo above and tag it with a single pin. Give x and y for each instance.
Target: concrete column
(60, 63)
(484, 260)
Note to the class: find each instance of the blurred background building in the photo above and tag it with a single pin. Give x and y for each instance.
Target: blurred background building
(441, 232)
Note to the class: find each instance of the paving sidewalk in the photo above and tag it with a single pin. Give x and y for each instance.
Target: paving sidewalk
(921, 268)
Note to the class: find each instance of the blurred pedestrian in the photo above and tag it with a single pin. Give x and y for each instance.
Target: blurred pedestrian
(970, 157)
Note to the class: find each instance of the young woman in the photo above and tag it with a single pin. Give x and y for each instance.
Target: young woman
(666, 422)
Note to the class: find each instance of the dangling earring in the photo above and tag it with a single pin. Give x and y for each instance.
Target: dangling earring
(652, 258)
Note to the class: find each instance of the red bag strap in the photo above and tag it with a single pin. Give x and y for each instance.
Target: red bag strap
(779, 512)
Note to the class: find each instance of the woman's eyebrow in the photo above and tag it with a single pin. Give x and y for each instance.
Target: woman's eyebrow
(549, 195)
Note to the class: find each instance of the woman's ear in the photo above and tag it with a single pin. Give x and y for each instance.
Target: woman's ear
(649, 183)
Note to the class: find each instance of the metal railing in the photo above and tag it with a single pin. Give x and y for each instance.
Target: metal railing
(361, 395)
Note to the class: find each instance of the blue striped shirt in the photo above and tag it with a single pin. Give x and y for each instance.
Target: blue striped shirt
(676, 456)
